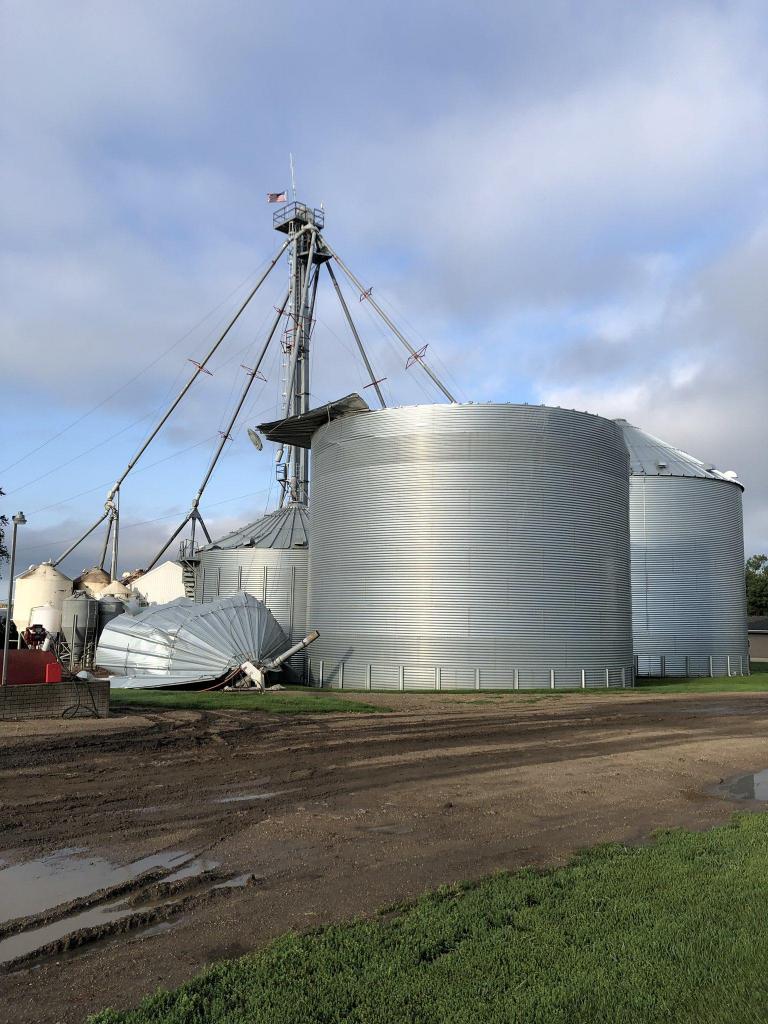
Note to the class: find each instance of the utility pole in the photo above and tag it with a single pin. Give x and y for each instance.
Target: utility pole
(18, 520)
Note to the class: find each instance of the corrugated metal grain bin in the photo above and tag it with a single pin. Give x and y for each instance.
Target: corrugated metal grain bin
(80, 624)
(39, 585)
(470, 546)
(688, 597)
(268, 559)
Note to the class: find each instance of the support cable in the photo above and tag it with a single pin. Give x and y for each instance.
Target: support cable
(374, 382)
(199, 368)
(127, 383)
(417, 357)
(194, 513)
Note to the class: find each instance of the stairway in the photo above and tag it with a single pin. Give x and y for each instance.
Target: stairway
(188, 575)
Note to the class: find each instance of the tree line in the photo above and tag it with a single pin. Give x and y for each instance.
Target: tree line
(757, 585)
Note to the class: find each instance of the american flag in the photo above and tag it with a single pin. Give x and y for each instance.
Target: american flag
(277, 197)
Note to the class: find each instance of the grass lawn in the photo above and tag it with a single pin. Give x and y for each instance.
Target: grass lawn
(284, 702)
(753, 683)
(673, 932)
(298, 699)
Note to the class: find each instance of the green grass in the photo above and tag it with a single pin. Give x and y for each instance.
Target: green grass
(674, 932)
(755, 683)
(284, 702)
(303, 700)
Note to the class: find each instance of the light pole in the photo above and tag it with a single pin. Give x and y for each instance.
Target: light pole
(18, 520)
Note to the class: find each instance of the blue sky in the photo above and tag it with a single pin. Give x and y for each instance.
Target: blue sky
(567, 201)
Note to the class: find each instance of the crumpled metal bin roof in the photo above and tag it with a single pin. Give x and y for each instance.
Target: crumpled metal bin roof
(183, 642)
(298, 430)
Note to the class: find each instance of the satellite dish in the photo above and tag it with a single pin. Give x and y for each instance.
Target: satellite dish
(255, 439)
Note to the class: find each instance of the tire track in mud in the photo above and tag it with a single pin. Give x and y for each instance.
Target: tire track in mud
(144, 901)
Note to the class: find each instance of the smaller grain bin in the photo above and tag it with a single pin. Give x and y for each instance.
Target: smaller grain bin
(92, 581)
(268, 559)
(687, 557)
(47, 616)
(116, 590)
(79, 628)
(109, 608)
(39, 586)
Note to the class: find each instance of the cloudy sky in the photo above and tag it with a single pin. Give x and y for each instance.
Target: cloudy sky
(567, 201)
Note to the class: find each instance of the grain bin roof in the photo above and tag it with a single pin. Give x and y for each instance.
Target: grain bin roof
(286, 528)
(298, 430)
(650, 456)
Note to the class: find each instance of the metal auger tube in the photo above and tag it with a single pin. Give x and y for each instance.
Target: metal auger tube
(269, 666)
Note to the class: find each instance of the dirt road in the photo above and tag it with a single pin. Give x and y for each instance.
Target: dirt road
(328, 816)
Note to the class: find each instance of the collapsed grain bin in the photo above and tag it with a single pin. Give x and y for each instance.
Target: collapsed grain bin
(466, 546)
(688, 597)
(182, 642)
(267, 559)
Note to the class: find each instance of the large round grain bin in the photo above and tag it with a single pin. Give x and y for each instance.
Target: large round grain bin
(688, 597)
(470, 546)
(40, 585)
(269, 560)
(79, 627)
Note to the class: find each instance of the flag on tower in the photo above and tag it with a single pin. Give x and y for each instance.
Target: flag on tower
(277, 197)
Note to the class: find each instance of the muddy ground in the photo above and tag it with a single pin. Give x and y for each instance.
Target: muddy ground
(340, 814)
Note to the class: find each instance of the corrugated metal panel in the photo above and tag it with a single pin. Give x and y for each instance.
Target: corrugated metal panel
(650, 456)
(276, 577)
(688, 598)
(183, 642)
(285, 528)
(464, 537)
(299, 429)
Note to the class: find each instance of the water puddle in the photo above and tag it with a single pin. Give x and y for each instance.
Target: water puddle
(753, 786)
(27, 942)
(24, 943)
(69, 874)
(238, 882)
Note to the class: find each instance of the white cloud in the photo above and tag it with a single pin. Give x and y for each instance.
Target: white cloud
(712, 402)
